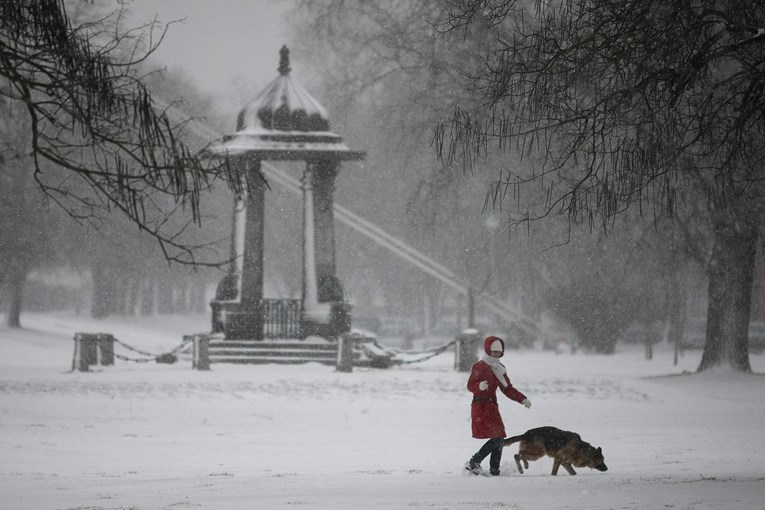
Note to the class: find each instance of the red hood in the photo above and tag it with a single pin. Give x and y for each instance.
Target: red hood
(489, 340)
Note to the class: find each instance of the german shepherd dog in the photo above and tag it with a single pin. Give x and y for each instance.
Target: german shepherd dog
(566, 448)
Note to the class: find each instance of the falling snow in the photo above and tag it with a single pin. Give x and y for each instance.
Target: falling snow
(153, 436)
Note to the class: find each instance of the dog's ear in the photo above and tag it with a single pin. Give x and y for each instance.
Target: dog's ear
(600, 450)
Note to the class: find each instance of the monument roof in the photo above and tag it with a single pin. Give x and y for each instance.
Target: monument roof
(284, 121)
(284, 105)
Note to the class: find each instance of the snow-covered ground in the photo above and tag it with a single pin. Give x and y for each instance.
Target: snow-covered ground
(153, 436)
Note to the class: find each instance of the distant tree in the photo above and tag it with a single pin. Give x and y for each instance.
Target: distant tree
(26, 228)
(386, 77)
(80, 129)
(124, 284)
(631, 103)
(405, 78)
(602, 283)
(91, 116)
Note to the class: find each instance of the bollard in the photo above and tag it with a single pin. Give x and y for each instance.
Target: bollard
(78, 363)
(201, 356)
(92, 349)
(105, 349)
(85, 351)
(466, 350)
(345, 345)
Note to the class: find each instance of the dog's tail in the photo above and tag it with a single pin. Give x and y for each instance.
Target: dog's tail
(510, 440)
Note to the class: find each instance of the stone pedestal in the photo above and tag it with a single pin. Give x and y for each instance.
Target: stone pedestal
(201, 352)
(92, 349)
(345, 345)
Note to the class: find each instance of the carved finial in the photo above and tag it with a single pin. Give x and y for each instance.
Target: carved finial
(284, 61)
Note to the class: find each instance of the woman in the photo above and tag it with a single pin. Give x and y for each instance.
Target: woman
(485, 377)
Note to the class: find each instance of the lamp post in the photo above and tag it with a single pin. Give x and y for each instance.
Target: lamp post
(492, 223)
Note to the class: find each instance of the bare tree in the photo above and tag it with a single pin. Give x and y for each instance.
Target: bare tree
(631, 103)
(388, 77)
(26, 228)
(91, 116)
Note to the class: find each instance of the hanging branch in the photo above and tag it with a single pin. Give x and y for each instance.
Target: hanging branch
(90, 114)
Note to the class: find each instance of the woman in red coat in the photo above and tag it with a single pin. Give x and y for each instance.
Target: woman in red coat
(486, 376)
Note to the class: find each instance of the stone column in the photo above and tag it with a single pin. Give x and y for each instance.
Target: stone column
(238, 229)
(324, 174)
(310, 285)
(325, 312)
(225, 307)
(248, 324)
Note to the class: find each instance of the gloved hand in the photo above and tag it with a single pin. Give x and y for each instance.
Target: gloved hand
(483, 385)
(526, 402)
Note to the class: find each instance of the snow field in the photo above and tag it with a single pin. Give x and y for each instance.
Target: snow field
(149, 436)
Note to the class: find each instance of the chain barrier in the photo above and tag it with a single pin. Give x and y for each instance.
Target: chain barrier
(440, 349)
(167, 357)
(134, 360)
(172, 356)
(397, 350)
(431, 354)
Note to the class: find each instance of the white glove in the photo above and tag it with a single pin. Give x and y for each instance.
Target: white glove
(526, 402)
(483, 385)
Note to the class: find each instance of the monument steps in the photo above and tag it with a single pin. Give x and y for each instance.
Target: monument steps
(287, 351)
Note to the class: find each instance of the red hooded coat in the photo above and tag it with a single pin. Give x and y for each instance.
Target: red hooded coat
(484, 412)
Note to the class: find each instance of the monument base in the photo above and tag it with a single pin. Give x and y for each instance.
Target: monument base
(329, 323)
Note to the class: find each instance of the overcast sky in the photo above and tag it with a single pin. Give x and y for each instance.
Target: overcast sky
(218, 42)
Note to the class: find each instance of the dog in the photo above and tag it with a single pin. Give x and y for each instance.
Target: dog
(566, 448)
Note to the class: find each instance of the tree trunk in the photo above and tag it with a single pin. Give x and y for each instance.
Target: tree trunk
(103, 293)
(731, 276)
(165, 296)
(648, 333)
(133, 290)
(182, 296)
(14, 285)
(119, 293)
(147, 296)
(198, 302)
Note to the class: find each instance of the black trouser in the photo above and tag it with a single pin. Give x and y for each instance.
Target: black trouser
(492, 447)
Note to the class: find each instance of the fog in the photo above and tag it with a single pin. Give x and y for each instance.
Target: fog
(641, 272)
(214, 60)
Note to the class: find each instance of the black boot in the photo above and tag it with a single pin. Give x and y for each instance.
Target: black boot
(474, 467)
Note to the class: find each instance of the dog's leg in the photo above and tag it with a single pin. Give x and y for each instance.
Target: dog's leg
(518, 463)
(570, 469)
(556, 465)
